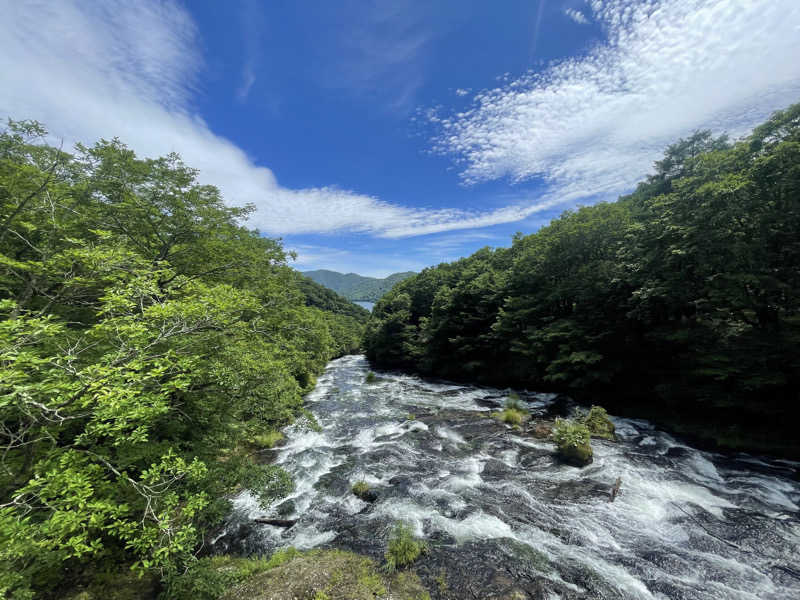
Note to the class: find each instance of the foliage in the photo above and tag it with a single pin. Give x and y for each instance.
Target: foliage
(146, 338)
(209, 578)
(573, 441)
(357, 287)
(680, 301)
(598, 423)
(360, 488)
(402, 549)
(371, 377)
(512, 416)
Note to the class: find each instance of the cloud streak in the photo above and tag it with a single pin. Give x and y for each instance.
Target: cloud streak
(593, 125)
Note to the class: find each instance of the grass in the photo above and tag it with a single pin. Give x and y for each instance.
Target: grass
(371, 377)
(360, 488)
(513, 414)
(327, 575)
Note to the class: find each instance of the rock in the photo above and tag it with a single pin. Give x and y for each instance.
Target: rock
(542, 430)
(275, 522)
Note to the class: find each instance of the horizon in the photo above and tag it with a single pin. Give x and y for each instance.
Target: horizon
(387, 138)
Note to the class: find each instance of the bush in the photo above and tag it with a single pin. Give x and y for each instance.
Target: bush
(371, 377)
(574, 442)
(360, 488)
(403, 549)
(210, 578)
(598, 423)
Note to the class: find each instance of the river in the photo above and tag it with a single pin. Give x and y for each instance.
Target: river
(503, 518)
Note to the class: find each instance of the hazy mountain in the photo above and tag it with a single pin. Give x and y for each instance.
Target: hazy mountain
(357, 287)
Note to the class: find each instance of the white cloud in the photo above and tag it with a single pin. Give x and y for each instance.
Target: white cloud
(462, 92)
(593, 125)
(576, 16)
(128, 69)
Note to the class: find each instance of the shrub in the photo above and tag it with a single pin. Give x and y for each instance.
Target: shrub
(360, 488)
(403, 549)
(574, 441)
(371, 377)
(598, 423)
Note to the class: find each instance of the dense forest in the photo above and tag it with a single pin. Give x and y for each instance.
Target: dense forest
(357, 287)
(150, 345)
(679, 302)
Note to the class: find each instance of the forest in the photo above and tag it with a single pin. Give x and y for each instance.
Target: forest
(679, 302)
(150, 346)
(357, 287)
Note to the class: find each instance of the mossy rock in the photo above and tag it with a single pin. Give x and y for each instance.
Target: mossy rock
(578, 455)
(598, 423)
(573, 441)
(362, 490)
(329, 574)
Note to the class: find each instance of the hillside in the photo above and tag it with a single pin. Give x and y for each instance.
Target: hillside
(357, 287)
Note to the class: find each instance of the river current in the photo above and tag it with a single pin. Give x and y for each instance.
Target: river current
(504, 518)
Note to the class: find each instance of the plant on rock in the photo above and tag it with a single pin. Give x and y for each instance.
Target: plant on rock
(598, 423)
(573, 442)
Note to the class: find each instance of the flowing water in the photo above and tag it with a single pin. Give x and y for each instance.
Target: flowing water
(503, 518)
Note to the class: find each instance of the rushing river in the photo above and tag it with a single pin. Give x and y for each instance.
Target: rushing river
(503, 518)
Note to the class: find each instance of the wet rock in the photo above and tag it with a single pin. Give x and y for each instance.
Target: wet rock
(275, 522)
(542, 430)
(577, 455)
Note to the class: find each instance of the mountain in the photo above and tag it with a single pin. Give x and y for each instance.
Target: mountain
(357, 287)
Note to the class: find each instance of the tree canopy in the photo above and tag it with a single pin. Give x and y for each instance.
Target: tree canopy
(148, 341)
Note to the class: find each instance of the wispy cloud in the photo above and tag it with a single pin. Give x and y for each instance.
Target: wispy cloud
(378, 52)
(593, 125)
(576, 16)
(128, 69)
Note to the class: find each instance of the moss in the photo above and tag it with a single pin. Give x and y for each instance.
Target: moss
(402, 549)
(598, 423)
(371, 377)
(573, 441)
(328, 575)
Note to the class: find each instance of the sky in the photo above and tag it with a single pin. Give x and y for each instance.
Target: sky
(385, 136)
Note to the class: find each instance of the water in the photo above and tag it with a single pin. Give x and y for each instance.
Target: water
(502, 516)
(368, 305)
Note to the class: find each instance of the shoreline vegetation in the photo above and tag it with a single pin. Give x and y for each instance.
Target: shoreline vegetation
(679, 303)
(150, 346)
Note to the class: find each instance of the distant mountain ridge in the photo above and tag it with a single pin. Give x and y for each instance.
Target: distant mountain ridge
(357, 287)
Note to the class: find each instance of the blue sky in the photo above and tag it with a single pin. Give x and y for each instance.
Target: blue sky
(377, 137)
